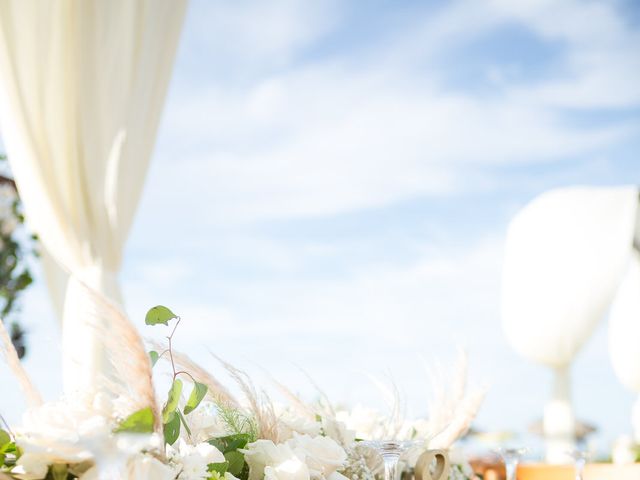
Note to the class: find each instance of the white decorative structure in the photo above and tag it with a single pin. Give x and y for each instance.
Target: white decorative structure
(624, 336)
(566, 253)
(82, 85)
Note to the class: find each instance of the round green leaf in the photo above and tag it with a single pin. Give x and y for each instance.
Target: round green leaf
(159, 314)
(197, 394)
(138, 422)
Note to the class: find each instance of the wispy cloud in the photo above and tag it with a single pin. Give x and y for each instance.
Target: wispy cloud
(329, 135)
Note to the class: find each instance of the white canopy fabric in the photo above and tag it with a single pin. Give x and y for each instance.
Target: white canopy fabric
(82, 85)
(566, 253)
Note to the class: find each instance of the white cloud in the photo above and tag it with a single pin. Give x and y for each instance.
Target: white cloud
(334, 135)
(601, 66)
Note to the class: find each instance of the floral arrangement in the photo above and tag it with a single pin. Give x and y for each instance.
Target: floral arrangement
(16, 247)
(202, 431)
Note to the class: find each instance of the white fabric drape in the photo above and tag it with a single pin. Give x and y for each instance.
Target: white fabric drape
(82, 84)
(566, 253)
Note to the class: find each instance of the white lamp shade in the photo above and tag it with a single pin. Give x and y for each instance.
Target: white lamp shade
(624, 328)
(566, 253)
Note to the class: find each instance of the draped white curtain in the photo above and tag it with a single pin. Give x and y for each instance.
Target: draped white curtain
(566, 254)
(82, 84)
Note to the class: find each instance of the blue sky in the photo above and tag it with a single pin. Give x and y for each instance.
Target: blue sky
(332, 183)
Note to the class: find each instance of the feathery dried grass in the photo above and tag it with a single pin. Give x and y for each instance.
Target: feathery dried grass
(260, 405)
(397, 408)
(460, 423)
(126, 354)
(296, 402)
(34, 399)
(451, 410)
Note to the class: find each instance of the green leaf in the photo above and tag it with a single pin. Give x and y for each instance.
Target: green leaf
(172, 400)
(236, 462)
(2, 457)
(220, 468)
(59, 472)
(138, 422)
(159, 314)
(153, 356)
(172, 429)
(5, 439)
(230, 442)
(197, 394)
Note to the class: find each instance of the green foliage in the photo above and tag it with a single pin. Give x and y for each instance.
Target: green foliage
(8, 450)
(238, 422)
(219, 468)
(172, 428)
(230, 443)
(16, 248)
(153, 356)
(230, 446)
(184, 422)
(138, 422)
(236, 462)
(172, 400)
(197, 394)
(5, 439)
(159, 315)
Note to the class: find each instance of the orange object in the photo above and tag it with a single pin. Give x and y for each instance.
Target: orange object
(593, 471)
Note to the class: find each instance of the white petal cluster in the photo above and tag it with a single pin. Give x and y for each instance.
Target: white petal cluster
(302, 457)
(192, 461)
(76, 431)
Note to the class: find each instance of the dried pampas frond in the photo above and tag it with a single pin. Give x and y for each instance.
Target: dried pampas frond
(34, 399)
(451, 410)
(126, 353)
(461, 422)
(300, 406)
(393, 399)
(260, 405)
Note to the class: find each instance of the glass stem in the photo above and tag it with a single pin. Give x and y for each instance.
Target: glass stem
(390, 465)
(511, 468)
(580, 468)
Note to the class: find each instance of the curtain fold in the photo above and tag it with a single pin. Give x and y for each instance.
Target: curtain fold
(82, 85)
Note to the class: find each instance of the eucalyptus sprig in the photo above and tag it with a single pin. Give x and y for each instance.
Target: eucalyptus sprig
(172, 417)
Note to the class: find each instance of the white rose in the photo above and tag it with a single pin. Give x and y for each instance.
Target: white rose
(143, 467)
(290, 423)
(338, 431)
(194, 460)
(292, 469)
(31, 466)
(322, 454)
(367, 423)
(265, 453)
(205, 424)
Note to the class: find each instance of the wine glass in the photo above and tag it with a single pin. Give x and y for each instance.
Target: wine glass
(511, 458)
(580, 459)
(391, 451)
